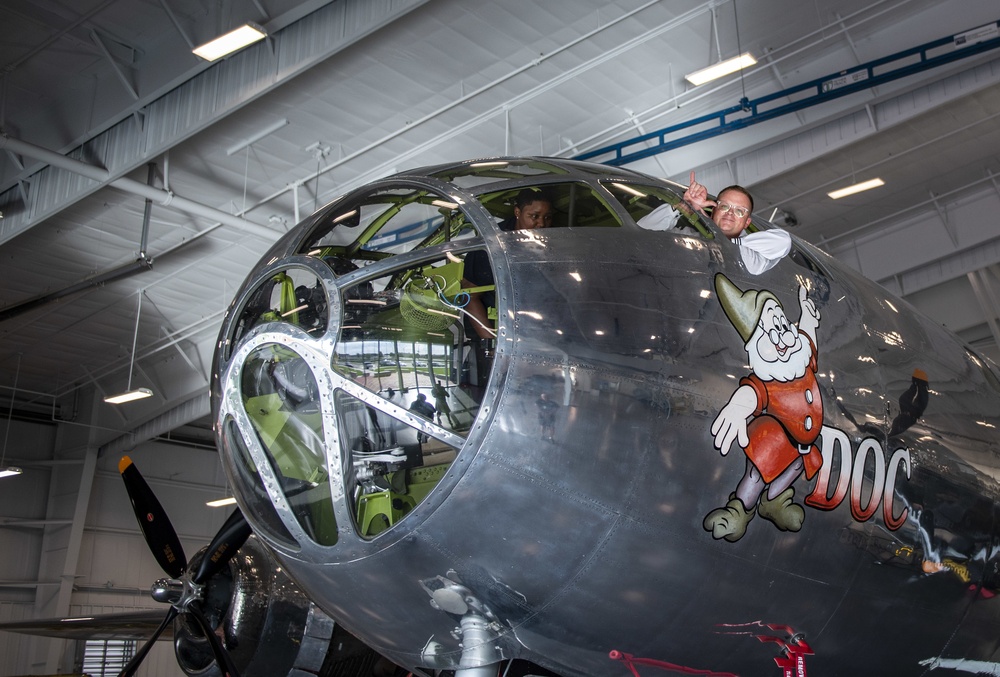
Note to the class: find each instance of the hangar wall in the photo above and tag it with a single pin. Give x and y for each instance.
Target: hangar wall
(109, 565)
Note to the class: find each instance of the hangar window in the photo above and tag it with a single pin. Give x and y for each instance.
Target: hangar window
(107, 657)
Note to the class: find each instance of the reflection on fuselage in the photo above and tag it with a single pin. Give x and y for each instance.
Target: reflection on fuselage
(553, 487)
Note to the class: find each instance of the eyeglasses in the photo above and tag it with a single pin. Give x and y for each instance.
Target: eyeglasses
(739, 212)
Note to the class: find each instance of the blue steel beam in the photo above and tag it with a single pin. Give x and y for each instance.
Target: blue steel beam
(822, 89)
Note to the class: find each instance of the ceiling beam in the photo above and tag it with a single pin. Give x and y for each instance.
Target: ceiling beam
(197, 407)
(234, 82)
(987, 298)
(818, 91)
(101, 45)
(162, 197)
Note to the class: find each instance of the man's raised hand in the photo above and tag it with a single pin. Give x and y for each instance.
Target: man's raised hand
(696, 195)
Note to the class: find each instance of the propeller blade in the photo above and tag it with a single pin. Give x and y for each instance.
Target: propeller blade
(230, 537)
(134, 625)
(155, 525)
(221, 655)
(133, 664)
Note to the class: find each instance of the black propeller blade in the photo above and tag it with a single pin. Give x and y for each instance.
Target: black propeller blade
(155, 525)
(231, 535)
(167, 549)
(221, 655)
(133, 664)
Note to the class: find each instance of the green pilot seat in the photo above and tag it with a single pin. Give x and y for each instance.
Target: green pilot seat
(379, 510)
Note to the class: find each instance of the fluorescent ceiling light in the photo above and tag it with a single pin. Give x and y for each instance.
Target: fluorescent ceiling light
(856, 188)
(247, 34)
(9, 470)
(137, 394)
(220, 502)
(720, 69)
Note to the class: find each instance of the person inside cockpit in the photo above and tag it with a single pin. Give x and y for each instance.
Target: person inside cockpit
(532, 209)
(761, 251)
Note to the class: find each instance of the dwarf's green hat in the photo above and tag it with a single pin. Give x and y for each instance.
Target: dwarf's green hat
(743, 308)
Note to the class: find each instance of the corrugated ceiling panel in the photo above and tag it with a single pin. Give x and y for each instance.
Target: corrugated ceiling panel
(212, 94)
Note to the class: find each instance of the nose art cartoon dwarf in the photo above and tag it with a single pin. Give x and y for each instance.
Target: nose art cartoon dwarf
(776, 413)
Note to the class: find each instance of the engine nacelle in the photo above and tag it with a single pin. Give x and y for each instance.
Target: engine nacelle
(267, 624)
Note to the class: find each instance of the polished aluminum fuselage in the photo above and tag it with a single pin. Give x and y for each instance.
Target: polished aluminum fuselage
(594, 540)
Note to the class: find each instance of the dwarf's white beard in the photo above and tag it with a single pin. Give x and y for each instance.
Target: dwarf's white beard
(794, 367)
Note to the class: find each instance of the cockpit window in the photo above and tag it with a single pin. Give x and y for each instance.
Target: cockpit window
(650, 206)
(394, 463)
(985, 368)
(384, 223)
(404, 332)
(281, 397)
(575, 205)
(490, 171)
(403, 341)
(250, 485)
(293, 296)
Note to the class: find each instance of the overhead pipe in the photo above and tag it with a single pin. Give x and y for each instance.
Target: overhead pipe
(146, 213)
(162, 197)
(141, 264)
(137, 266)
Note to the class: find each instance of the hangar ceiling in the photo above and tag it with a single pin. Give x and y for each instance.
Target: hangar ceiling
(346, 91)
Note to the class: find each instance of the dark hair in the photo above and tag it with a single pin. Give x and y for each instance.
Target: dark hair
(529, 195)
(738, 189)
(524, 198)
